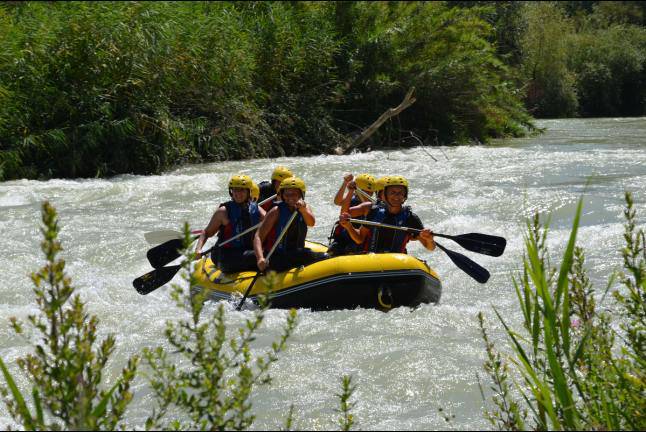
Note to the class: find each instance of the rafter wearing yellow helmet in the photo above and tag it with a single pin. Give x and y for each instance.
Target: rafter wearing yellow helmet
(268, 189)
(354, 203)
(291, 251)
(229, 220)
(240, 182)
(292, 183)
(393, 212)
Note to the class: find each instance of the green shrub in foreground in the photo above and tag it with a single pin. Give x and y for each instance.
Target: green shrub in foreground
(576, 370)
(213, 392)
(66, 369)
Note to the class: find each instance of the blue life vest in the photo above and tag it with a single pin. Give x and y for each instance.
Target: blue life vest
(378, 213)
(298, 224)
(241, 217)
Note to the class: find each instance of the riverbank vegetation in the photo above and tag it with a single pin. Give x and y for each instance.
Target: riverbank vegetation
(579, 362)
(98, 89)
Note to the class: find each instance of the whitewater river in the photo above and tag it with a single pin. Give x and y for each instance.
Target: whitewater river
(406, 364)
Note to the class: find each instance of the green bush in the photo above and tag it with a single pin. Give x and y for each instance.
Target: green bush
(550, 84)
(610, 66)
(578, 367)
(66, 368)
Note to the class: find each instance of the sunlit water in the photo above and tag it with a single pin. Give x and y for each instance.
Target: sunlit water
(406, 364)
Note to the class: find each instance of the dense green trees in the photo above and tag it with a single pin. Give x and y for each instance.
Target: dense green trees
(96, 89)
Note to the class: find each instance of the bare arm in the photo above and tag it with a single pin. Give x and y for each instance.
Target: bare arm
(306, 212)
(270, 220)
(426, 238)
(361, 209)
(219, 218)
(358, 235)
(338, 199)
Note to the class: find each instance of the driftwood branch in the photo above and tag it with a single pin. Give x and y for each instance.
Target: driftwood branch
(391, 112)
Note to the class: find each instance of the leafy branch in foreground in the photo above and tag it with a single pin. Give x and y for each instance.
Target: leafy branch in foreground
(66, 370)
(210, 382)
(577, 372)
(347, 418)
(212, 388)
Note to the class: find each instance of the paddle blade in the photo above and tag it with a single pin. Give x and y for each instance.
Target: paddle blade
(157, 237)
(164, 253)
(152, 280)
(480, 243)
(473, 269)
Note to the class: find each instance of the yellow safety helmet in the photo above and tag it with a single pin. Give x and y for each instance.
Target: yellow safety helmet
(255, 191)
(365, 182)
(240, 181)
(281, 173)
(292, 183)
(380, 183)
(396, 181)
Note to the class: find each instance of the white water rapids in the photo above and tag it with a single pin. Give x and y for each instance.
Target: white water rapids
(406, 364)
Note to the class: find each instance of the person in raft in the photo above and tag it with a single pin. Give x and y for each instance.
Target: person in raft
(254, 192)
(232, 218)
(383, 240)
(291, 252)
(354, 203)
(268, 189)
(361, 210)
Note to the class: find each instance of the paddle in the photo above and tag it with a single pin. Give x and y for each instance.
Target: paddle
(273, 248)
(161, 236)
(365, 195)
(158, 237)
(474, 242)
(166, 252)
(470, 267)
(160, 276)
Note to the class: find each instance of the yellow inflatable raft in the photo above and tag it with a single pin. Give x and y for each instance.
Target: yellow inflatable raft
(380, 281)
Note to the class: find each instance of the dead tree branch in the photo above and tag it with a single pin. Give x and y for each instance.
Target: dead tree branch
(391, 112)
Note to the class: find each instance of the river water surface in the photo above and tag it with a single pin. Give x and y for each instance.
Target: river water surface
(406, 364)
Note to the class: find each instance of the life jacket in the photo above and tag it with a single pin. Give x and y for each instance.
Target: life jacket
(378, 213)
(340, 234)
(240, 218)
(298, 228)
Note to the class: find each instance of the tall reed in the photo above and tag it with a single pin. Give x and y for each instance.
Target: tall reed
(573, 366)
